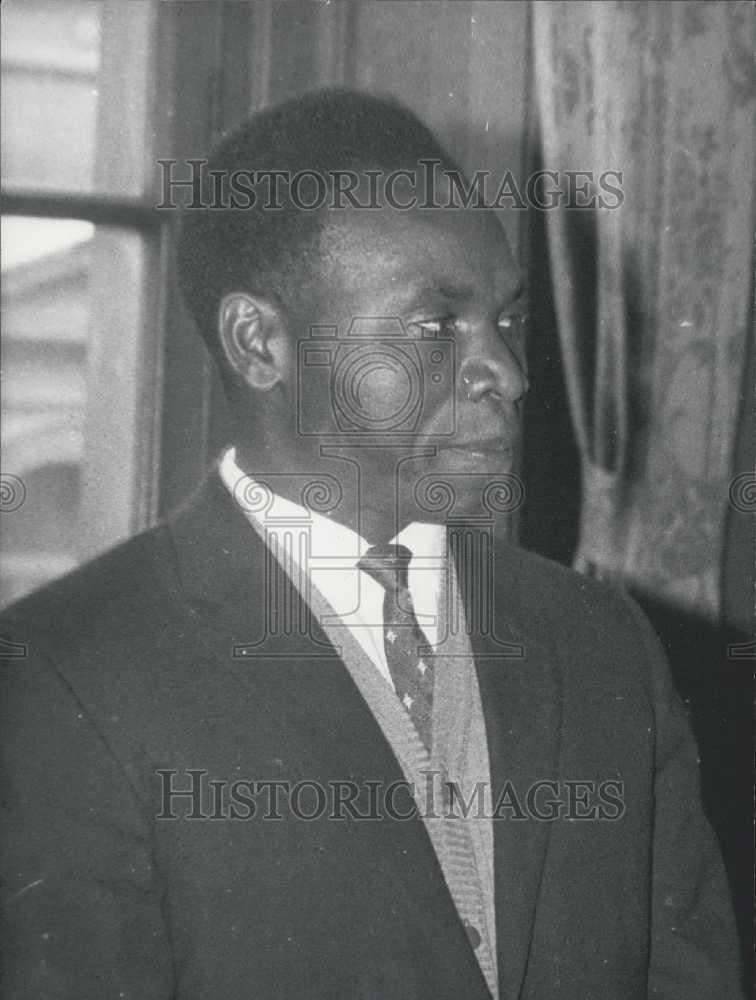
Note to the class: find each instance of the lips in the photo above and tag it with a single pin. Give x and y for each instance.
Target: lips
(478, 446)
(476, 456)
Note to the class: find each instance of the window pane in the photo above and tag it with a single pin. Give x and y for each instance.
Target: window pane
(75, 86)
(72, 386)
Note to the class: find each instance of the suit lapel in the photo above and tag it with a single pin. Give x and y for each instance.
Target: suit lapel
(520, 692)
(253, 620)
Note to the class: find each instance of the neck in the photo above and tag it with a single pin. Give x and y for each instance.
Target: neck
(372, 511)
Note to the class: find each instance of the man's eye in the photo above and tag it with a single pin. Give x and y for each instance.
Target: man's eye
(513, 324)
(432, 327)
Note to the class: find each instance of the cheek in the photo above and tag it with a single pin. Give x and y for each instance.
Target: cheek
(375, 389)
(380, 389)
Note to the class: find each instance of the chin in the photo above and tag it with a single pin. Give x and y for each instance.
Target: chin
(457, 484)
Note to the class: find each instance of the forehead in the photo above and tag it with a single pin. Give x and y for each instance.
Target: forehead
(387, 252)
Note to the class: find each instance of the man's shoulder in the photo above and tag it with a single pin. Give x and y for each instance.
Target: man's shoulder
(124, 584)
(544, 593)
(593, 628)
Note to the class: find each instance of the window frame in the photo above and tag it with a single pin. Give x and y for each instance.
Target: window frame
(194, 88)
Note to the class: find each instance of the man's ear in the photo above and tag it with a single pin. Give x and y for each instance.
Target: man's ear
(253, 336)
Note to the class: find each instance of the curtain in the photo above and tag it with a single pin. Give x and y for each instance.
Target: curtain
(652, 295)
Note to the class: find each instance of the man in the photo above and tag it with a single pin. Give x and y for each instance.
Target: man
(325, 733)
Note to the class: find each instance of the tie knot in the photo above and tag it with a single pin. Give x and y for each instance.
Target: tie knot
(388, 565)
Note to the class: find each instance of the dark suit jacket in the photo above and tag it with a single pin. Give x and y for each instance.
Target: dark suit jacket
(127, 668)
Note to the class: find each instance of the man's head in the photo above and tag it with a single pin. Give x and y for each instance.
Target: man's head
(393, 331)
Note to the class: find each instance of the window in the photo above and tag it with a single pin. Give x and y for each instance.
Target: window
(81, 249)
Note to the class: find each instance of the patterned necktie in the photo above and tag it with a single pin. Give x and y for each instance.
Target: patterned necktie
(403, 639)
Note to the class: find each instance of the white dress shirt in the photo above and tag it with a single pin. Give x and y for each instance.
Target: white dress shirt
(331, 552)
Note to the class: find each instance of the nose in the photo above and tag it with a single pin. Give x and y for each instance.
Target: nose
(500, 376)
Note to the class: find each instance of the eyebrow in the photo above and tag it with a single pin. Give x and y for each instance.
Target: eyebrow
(455, 293)
(519, 292)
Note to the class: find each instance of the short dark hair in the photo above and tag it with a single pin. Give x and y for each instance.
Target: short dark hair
(266, 250)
